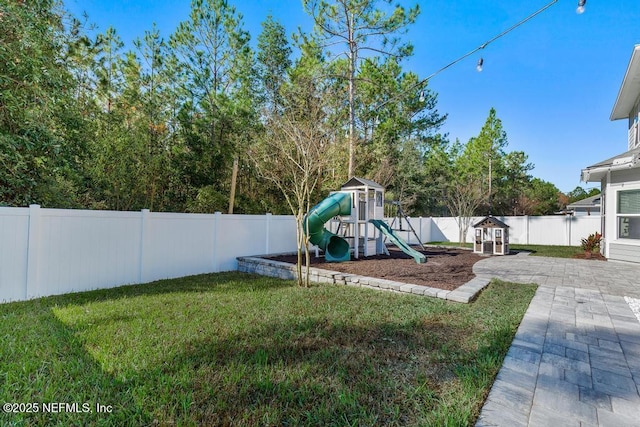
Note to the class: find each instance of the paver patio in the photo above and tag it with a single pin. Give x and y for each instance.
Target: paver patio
(575, 359)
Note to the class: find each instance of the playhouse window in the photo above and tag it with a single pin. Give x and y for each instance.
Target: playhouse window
(628, 214)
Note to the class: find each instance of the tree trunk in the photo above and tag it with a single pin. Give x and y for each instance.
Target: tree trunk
(307, 258)
(352, 108)
(234, 176)
(300, 240)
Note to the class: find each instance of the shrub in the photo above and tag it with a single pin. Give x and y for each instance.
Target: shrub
(592, 242)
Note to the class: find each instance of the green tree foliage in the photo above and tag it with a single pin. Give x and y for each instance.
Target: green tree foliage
(580, 193)
(482, 178)
(41, 129)
(540, 198)
(484, 157)
(214, 54)
(131, 162)
(360, 28)
(274, 60)
(394, 120)
(513, 183)
(89, 122)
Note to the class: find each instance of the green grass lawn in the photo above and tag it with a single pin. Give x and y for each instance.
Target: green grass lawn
(536, 250)
(237, 349)
(549, 250)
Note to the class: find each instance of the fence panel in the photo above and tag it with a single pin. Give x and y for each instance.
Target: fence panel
(446, 229)
(517, 228)
(240, 235)
(548, 230)
(582, 226)
(282, 234)
(176, 245)
(14, 247)
(82, 250)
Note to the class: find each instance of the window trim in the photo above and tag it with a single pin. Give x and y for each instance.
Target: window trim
(620, 216)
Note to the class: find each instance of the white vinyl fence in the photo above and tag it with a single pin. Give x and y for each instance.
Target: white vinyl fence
(530, 230)
(54, 251)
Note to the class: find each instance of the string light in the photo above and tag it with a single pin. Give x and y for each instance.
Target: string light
(479, 66)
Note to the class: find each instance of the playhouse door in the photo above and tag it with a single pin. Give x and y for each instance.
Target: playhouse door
(499, 246)
(488, 241)
(477, 242)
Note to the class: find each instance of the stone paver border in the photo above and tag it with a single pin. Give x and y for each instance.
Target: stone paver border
(266, 267)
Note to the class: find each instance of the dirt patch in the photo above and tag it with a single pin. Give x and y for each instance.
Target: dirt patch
(445, 268)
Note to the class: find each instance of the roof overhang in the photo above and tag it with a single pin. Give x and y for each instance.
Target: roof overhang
(490, 222)
(356, 182)
(595, 173)
(589, 202)
(630, 89)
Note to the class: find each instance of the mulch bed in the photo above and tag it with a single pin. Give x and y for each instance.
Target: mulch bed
(445, 268)
(594, 256)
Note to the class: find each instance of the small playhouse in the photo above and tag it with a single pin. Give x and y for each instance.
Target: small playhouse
(491, 236)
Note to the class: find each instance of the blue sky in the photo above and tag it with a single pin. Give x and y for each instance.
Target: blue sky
(552, 81)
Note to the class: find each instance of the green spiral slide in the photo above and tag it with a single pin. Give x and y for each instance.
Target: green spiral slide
(335, 248)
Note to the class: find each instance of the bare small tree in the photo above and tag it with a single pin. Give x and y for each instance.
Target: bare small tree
(464, 197)
(292, 153)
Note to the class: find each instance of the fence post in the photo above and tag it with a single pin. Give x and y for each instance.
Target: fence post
(216, 226)
(33, 250)
(144, 219)
(527, 227)
(267, 231)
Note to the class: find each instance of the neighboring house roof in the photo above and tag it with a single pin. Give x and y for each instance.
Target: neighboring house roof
(589, 202)
(628, 159)
(490, 222)
(359, 182)
(630, 88)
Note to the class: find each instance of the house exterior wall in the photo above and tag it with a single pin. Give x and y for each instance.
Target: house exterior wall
(583, 211)
(634, 126)
(620, 252)
(634, 114)
(615, 248)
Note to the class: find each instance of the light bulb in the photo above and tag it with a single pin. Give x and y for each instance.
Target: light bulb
(580, 8)
(480, 64)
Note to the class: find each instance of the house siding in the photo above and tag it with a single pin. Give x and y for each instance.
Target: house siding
(614, 248)
(625, 177)
(634, 114)
(627, 253)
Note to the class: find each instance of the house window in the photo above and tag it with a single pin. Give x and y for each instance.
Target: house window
(629, 214)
